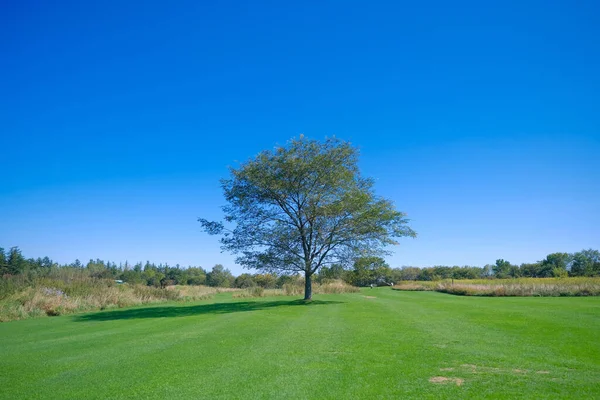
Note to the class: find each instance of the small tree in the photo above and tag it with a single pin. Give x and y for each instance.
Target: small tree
(502, 268)
(245, 281)
(553, 263)
(303, 206)
(370, 271)
(16, 263)
(586, 263)
(220, 277)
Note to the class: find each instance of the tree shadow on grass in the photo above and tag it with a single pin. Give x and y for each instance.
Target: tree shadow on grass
(185, 311)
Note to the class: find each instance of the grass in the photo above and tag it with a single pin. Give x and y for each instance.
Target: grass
(544, 287)
(378, 343)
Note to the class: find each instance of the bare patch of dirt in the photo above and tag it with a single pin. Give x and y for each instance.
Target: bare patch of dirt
(442, 380)
(369, 297)
(473, 368)
(520, 371)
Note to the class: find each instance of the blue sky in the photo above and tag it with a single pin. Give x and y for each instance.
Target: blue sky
(479, 119)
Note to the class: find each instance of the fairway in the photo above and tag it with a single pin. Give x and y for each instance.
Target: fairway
(375, 344)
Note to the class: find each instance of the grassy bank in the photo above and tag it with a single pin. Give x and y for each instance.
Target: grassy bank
(378, 343)
(546, 287)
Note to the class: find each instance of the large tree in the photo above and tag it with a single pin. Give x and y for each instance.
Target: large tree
(303, 206)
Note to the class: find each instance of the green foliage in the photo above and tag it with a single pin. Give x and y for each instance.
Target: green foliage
(193, 276)
(3, 262)
(559, 272)
(502, 269)
(370, 271)
(586, 263)
(304, 206)
(437, 272)
(287, 280)
(335, 271)
(220, 277)
(266, 281)
(531, 270)
(15, 264)
(553, 263)
(405, 274)
(245, 281)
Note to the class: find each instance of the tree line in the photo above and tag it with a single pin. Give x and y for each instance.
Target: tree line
(581, 263)
(363, 271)
(13, 263)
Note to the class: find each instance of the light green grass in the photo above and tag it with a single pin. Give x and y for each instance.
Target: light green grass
(340, 346)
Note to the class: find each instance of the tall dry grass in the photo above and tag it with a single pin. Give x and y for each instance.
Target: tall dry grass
(297, 289)
(547, 287)
(58, 297)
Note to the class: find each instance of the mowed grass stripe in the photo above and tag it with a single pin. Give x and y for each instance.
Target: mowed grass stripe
(375, 344)
(104, 360)
(523, 342)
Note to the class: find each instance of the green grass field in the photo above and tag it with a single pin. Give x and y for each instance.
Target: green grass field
(378, 343)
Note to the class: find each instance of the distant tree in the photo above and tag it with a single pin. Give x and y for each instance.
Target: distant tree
(304, 206)
(586, 263)
(175, 275)
(554, 261)
(130, 276)
(196, 276)
(3, 262)
(502, 269)
(466, 272)
(514, 271)
(138, 267)
(406, 274)
(267, 281)
(16, 263)
(442, 272)
(335, 271)
(531, 270)
(156, 279)
(370, 270)
(220, 277)
(487, 271)
(286, 280)
(46, 263)
(245, 281)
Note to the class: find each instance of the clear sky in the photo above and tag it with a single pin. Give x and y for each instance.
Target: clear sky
(481, 120)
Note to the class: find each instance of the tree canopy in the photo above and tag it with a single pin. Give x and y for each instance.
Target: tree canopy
(303, 206)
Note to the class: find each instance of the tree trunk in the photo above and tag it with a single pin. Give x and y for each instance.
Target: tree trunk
(307, 286)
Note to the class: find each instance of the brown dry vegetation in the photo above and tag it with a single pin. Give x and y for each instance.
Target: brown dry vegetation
(546, 287)
(330, 287)
(58, 297)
